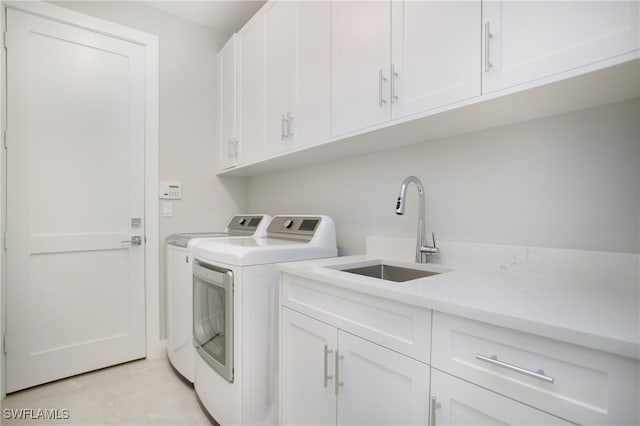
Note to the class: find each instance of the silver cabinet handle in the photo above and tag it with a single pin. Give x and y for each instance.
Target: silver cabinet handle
(282, 135)
(381, 80)
(487, 37)
(394, 75)
(289, 121)
(493, 359)
(135, 240)
(327, 377)
(338, 383)
(434, 406)
(229, 146)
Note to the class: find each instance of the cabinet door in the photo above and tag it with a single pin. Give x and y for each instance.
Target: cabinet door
(311, 108)
(530, 40)
(251, 90)
(307, 355)
(435, 54)
(458, 402)
(227, 105)
(277, 69)
(361, 57)
(379, 386)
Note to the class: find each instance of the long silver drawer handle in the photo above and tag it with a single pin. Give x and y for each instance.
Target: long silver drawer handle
(493, 359)
(327, 377)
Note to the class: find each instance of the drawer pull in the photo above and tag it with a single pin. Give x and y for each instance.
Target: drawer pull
(338, 383)
(327, 377)
(493, 359)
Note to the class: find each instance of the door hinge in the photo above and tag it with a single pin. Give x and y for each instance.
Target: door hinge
(4, 139)
(4, 240)
(6, 39)
(4, 343)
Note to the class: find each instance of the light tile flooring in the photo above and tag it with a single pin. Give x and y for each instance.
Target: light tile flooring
(145, 392)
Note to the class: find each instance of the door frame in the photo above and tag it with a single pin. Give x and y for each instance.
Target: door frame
(155, 347)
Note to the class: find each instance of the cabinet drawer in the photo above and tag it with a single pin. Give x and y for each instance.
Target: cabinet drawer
(457, 402)
(572, 382)
(397, 326)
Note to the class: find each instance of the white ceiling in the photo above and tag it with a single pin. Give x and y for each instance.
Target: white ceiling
(227, 16)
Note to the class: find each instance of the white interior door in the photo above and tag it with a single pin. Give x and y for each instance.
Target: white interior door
(75, 180)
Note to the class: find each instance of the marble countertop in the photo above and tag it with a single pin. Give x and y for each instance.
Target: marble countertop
(591, 314)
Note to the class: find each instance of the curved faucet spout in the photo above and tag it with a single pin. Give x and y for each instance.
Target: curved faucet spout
(421, 246)
(400, 205)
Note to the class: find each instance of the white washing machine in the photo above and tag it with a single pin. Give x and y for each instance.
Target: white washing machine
(236, 315)
(179, 280)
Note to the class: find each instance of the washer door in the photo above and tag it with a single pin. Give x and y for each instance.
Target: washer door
(213, 316)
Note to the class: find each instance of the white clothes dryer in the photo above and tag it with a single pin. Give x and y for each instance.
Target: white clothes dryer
(236, 315)
(179, 283)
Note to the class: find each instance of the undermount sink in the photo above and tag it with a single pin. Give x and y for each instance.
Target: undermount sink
(387, 272)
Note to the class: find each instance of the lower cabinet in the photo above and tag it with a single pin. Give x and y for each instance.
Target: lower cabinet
(329, 376)
(457, 402)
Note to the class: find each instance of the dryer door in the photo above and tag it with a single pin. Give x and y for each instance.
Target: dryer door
(213, 316)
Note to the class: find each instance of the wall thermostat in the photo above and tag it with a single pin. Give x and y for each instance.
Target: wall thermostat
(170, 191)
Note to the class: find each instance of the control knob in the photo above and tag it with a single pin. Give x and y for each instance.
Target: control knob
(288, 223)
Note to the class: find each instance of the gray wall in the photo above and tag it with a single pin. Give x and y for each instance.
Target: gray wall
(187, 120)
(568, 181)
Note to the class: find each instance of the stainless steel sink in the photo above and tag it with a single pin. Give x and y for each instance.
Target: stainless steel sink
(390, 272)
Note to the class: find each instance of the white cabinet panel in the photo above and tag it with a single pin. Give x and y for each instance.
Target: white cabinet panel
(397, 326)
(277, 68)
(307, 354)
(435, 54)
(380, 387)
(530, 40)
(461, 403)
(588, 387)
(227, 111)
(361, 63)
(376, 386)
(311, 102)
(251, 90)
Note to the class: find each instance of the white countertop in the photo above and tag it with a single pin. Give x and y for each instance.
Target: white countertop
(591, 314)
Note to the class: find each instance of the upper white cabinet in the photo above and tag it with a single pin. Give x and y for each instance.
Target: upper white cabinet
(251, 90)
(380, 74)
(227, 111)
(528, 40)
(398, 58)
(434, 54)
(277, 74)
(361, 64)
(311, 97)
(298, 74)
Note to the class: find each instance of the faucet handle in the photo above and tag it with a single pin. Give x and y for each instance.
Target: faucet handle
(430, 250)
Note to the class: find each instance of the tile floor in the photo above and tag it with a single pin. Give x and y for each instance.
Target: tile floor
(145, 392)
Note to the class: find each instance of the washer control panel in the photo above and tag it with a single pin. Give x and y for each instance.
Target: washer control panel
(294, 227)
(245, 224)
